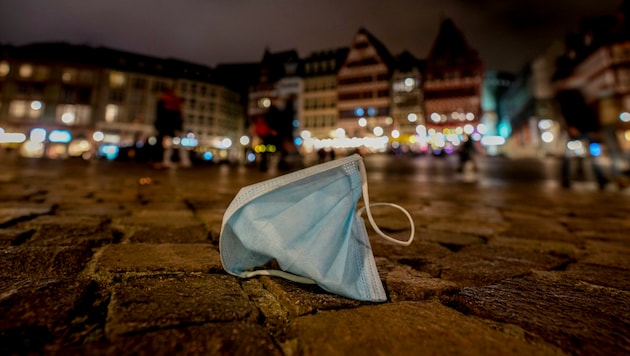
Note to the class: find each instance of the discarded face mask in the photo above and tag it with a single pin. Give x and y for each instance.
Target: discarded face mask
(309, 223)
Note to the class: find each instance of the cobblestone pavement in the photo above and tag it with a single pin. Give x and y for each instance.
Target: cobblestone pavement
(118, 258)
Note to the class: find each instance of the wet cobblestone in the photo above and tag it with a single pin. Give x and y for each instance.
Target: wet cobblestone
(111, 258)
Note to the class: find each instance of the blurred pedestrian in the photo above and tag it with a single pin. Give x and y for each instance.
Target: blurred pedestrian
(169, 124)
(284, 127)
(582, 127)
(467, 152)
(609, 109)
(267, 135)
(321, 155)
(275, 129)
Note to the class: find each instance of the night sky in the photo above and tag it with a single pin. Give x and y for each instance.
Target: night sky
(507, 34)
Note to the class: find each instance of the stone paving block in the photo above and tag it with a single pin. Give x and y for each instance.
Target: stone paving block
(14, 236)
(117, 196)
(301, 299)
(536, 227)
(10, 215)
(613, 277)
(604, 227)
(405, 283)
(462, 219)
(155, 226)
(147, 303)
(418, 250)
(450, 240)
(38, 314)
(21, 192)
(70, 230)
(274, 315)
(478, 265)
(405, 328)
(212, 218)
(564, 249)
(104, 210)
(42, 262)
(580, 318)
(477, 228)
(123, 258)
(232, 338)
(605, 253)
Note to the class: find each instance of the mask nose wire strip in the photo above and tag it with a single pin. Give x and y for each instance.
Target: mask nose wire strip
(366, 200)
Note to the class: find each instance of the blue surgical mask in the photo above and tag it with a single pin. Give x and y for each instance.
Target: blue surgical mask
(309, 223)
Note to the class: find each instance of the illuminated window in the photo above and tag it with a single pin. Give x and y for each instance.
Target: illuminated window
(26, 109)
(69, 75)
(26, 70)
(111, 112)
(4, 69)
(73, 114)
(117, 79)
(17, 108)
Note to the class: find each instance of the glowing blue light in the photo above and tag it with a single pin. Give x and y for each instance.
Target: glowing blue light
(505, 129)
(359, 112)
(296, 123)
(371, 111)
(595, 149)
(109, 151)
(208, 156)
(60, 136)
(298, 141)
(189, 142)
(251, 157)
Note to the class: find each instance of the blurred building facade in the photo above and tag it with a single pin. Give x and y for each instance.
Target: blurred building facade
(529, 112)
(277, 79)
(350, 97)
(452, 87)
(363, 89)
(319, 104)
(408, 104)
(72, 100)
(596, 60)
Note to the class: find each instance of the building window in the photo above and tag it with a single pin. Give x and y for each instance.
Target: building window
(117, 96)
(4, 69)
(139, 83)
(26, 109)
(73, 114)
(117, 80)
(112, 112)
(26, 71)
(137, 99)
(158, 86)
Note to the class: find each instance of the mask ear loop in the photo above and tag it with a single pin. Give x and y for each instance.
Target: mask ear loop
(366, 200)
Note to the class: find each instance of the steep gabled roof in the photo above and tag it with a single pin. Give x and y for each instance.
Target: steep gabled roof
(338, 56)
(273, 64)
(406, 62)
(382, 51)
(450, 47)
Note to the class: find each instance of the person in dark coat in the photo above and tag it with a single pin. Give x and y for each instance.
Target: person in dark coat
(466, 154)
(275, 129)
(581, 124)
(169, 123)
